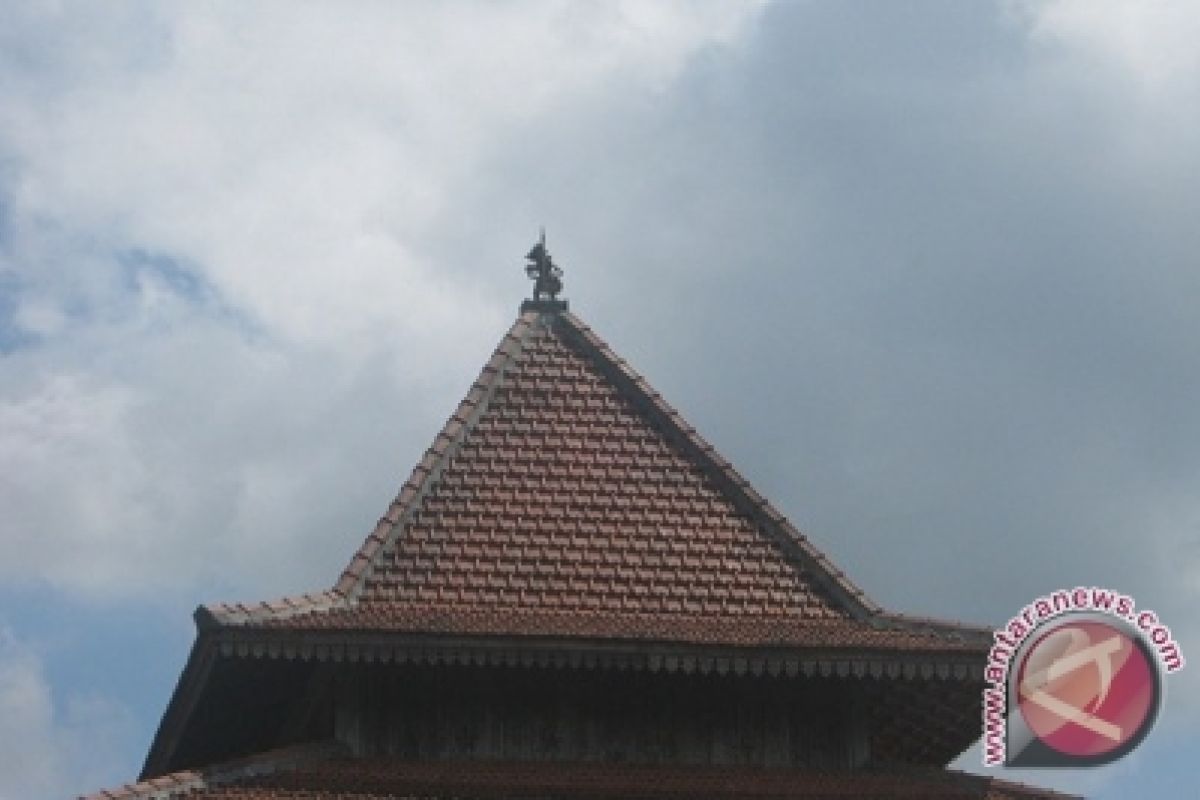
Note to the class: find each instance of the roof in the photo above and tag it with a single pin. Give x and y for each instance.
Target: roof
(566, 515)
(326, 772)
(565, 497)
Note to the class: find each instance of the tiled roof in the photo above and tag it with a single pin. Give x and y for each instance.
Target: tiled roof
(566, 498)
(275, 777)
(683, 628)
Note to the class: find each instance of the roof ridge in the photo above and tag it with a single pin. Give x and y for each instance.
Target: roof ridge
(758, 507)
(268, 762)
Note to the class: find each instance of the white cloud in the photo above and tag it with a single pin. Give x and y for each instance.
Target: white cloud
(50, 748)
(217, 221)
(1153, 42)
(223, 232)
(68, 468)
(28, 760)
(178, 453)
(299, 159)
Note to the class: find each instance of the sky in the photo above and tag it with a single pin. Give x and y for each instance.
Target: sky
(925, 272)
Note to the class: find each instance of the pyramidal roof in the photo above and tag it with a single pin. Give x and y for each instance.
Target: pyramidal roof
(566, 498)
(567, 516)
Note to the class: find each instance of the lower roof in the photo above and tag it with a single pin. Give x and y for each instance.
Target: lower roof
(325, 772)
(883, 632)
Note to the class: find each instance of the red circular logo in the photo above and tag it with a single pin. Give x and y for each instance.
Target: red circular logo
(1087, 689)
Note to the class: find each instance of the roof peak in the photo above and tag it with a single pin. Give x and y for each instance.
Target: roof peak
(560, 438)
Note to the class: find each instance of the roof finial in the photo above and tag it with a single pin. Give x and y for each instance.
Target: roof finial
(545, 274)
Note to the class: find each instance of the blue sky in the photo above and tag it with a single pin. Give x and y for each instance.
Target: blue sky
(925, 272)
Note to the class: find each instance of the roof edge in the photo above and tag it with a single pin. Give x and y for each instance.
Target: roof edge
(182, 703)
(948, 627)
(560, 777)
(266, 763)
(951, 658)
(218, 615)
(425, 473)
(754, 504)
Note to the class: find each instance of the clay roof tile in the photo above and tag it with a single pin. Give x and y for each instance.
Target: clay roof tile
(560, 442)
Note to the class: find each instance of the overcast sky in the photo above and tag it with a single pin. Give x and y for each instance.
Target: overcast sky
(926, 273)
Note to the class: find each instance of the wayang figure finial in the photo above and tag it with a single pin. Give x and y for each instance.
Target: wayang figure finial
(546, 275)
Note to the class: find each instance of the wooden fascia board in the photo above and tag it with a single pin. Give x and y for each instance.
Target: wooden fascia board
(385, 647)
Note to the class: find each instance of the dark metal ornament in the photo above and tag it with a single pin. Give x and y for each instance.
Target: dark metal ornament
(545, 274)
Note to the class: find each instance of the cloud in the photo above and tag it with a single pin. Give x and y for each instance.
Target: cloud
(926, 276)
(239, 145)
(945, 277)
(217, 240)
(51, 747)
(1153, 43)
(926, 279)
(29, 760)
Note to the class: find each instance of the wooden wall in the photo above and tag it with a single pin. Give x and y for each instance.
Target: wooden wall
(533, 714)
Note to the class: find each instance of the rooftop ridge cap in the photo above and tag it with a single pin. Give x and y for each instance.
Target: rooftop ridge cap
(428, 469)
(761, 509)
(174, 784)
